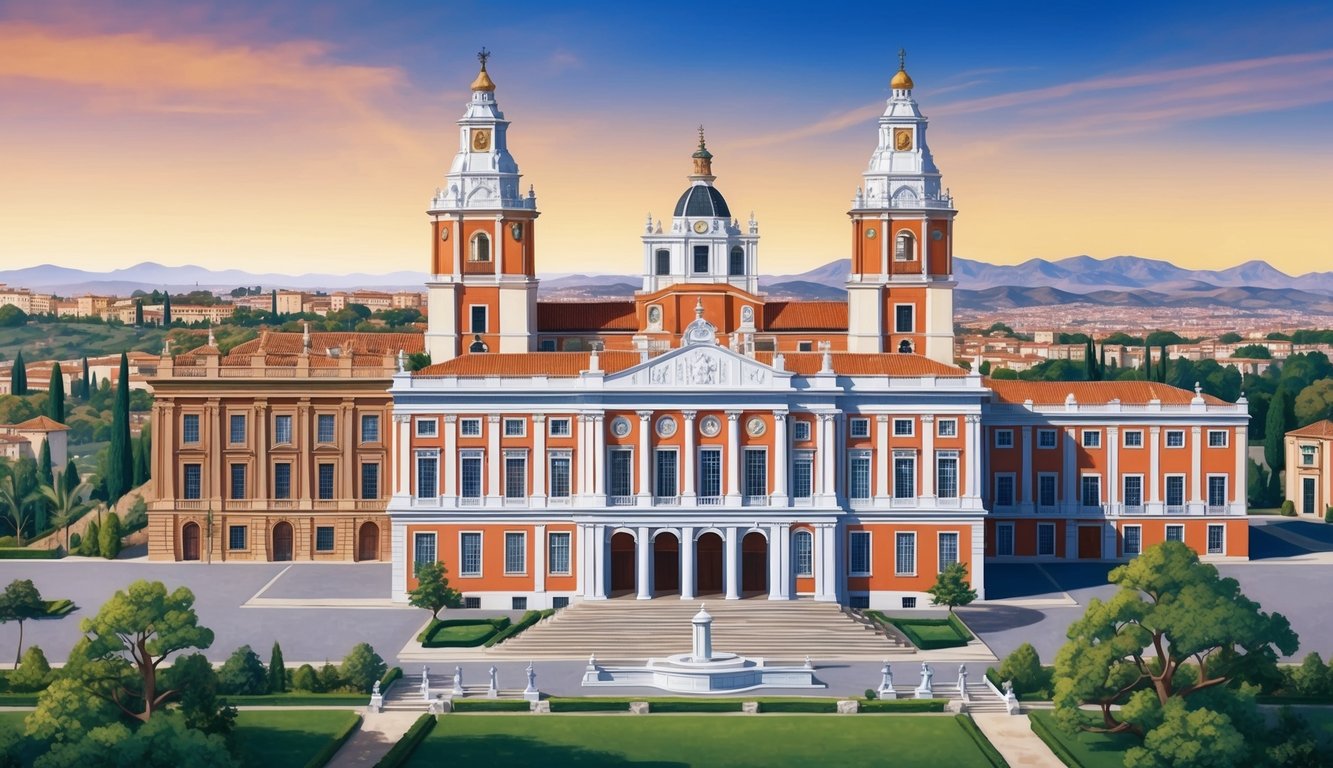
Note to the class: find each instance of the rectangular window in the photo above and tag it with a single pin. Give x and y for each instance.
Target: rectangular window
(423, 551)
(805, 346)
(700, 259)
(756, 473)
(326, 481)
(1308, 453)
(324, 426)
(1004, 490)
(560, 428)
(557, 553)
(1175, 438)
(904, 318)
(282, 430)
(477, 316)
(1175, 533)
(800, 431)
(516, 476)
(710, 473)
(193, 485)
(858, 475)
(802, 476)
(236, 535)
(1133, 490)
(622, 473)
(1217, 539)
(1046, 539)
(1046, 485)
(1175, 492)
(1217, 490)
(1092, 438)
(516, 553)
(904, 475)
(1217, 438)
(1046, 438)
(948, 549)
(546, 345)
(428, 427)
(515, 427)
(859, 428)
(1133, 438)
(903, 427)
(236, 429)
(665, 474)
(370, 481)
(946, 427)
(469, 474)
(1004, 438)
(858, 558)
(238, 481)
(469, 427)
(282, 481)
(560, 488)
(909, 602)
(736, 263)
(1004, 539)
(662, 262)
(472, 603)
(469, 555)
(370, 428)
(1091, 490)
(803, 553)
(190, 429)
(904, 554)
(323, 538)
(946, 475)
(518, 603)
(1133, 540)
(428, 474)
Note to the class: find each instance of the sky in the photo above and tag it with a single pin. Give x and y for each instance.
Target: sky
(309, 136)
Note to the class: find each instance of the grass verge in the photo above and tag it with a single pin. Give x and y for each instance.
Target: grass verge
(290, 738)
(1082, 749)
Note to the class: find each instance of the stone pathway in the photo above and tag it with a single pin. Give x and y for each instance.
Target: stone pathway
(377, 735)
(1012, 735)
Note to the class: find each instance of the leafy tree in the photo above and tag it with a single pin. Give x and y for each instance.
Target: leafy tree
(143, 458)
(121, 458)
(33, 673)
(1256, 484)
(1230, 337)
(91, 544)
(65, 712)
(243, 674)
(108, 538)
(193, 675)
(1314, 403)
(18, 376)
(951, 587)
(1023, 668)
(1175, 630)
(433, 591)
(985, 368)
(305, 679)
(19, 602)
(1003, 374)
(66, 504)
(16, 505)
(166, 310)
(70, 477)
(1311, 678)
(1275, 429)
(12, 317)
(1186, 738)
(1253, 352)
(136, 517)
(163, 742)
(418, 360)
(55, 398)
(362, 668)
(329, 678)
(277, 671)
(129, 638)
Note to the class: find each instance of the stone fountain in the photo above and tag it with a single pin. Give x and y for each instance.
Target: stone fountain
(702, 670)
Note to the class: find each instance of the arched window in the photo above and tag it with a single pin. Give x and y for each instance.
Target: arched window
(481, 248)
(904, 247)
(904, 347)
(662, 263)
(803, 553)
(477, 345)
(736, 265)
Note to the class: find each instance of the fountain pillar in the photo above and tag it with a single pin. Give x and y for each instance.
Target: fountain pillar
(703, 636)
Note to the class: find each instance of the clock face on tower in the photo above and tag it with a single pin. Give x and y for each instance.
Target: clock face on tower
(481, 140)
(902, 139)
(701, 227)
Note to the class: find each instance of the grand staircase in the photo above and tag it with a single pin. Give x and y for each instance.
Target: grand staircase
(625, 629)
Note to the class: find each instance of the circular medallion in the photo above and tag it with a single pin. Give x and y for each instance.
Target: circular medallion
(937, 235)
(755, 426)
(871, 233)
(710, 426)
(701, 227)
(654, 315)
(747, 315)
(620, 426)
(666, 426)
(444, 233)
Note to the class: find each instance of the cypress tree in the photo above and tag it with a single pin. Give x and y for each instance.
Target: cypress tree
(1089, 371)
(138, 313)
(87, 380)
(166, 309)
(277, 671)
(1275, 431)
(70, 477)
(1147, 362)
(1101, 364)
(44, 468)
(18, 376)
(142, 458)
(55, 400)
(1161, 373)
(273, 303)
(121, 461)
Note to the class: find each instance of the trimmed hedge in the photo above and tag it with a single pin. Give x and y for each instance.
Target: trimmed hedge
(392, 676)
(988, 749)
(18, 699)
(908, 627)
(590, 705)
(904, 705)
(703, 705)
(325, 754)
(1043, 731)
(814, 706)
(299, 700)
(399, 754)
(492, 705)
(487, 630)
(31, 554)
(529, 618)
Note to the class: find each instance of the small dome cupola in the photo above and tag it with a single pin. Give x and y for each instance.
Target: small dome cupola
(900, 82)
(703, 160)
(483, 81)
(701, 199)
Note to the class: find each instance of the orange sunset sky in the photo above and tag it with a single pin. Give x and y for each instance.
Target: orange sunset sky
(309, 137)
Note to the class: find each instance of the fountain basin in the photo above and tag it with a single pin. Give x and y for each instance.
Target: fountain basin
(724, 672)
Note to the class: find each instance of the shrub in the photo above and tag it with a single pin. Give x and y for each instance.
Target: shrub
(31, 554)
(277, 671)
(589, 705)
(9, 541)
(904, 705)
(491, 705)
(702, 705)
(304, 679)
(870, 694)
(75, 540)
(529, 618)
(89, 547)
(330, 748)
(243, 673)
(1311, 678)
(988, 749)
(812, 706)
(136, 517)
(108, 538)
(1328, 514)
(362, 668)
(392, 676)
(400, 752)
(32, 673)
(329, 680)
(1288, 508)
(1023, 668)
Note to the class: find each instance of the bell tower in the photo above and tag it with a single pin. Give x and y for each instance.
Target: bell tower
(900, 290)
(483, 285)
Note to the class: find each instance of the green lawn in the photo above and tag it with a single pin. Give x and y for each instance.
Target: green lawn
(12, 720)
(928, 634)
(464, 633)
(1092, 750)
(675, 741)
(266, 738)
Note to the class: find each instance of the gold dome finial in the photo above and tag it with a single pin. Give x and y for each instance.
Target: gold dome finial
(901, 81)
(703, 159)
(483, 81)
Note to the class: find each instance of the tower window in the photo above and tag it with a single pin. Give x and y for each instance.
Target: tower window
(481, 248)
(904, 247)
(478, 318)
(736, 265)
(700, 258)
(662, 262)
(904, 318)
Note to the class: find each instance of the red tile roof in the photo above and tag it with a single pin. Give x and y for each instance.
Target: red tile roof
(863, 364)
(590, 316)
(1318, 429)
(1092, 392)
(529, 364)
(805, 316)
(41, 424)
(283, 348)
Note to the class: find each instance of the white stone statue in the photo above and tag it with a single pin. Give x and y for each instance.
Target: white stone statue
(493, 689)
(375, 691)
(458, 681)
(886, 682)
(925, 689)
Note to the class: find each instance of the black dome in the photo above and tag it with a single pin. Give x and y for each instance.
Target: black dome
(701, 200)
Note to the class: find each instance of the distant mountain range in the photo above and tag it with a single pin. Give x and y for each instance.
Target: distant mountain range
(1126, 281)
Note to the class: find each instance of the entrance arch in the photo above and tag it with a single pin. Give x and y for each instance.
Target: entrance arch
(708, 563)
(190, 541)
(282, 541)
(666, 563)
(622, 563)
(368, 542)
(754, 562)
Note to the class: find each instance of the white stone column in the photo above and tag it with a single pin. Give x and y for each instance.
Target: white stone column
(493, 460)
(732, 563)
(1155, 470)
(599, 562)
(1026, 479)
(927, 462)
(1241, 446)
(733, 458)
(817, 555)
(449, 459)
(538, 460)
(398, 547)
(779, 572)
(829, 562)
(821, 447)
(539, 558)
(643, 546)
(598, 485)
(646, 489)
(583, 458)
(687, 563)
(687, 461)
(578, 550)
(1112, 469)
(882, 456)
(402, 452)
(781, 462)
(972, 456)
(1196, 468)
(830, 450)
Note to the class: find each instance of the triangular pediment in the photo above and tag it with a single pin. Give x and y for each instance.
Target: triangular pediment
(700, 366)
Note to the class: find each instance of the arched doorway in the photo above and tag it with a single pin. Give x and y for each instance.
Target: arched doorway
(709, 563)
(190, 541)
(282, 541)
(754, 562)
(368, 542)
(666, 563)
(622, 563)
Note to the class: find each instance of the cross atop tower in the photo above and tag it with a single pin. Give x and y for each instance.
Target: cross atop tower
(902, 59)
(482, 56)
(701, 137)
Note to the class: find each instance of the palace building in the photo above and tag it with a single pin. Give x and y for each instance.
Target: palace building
(701, 438)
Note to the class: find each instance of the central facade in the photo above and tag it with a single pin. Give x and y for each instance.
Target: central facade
(703, 439)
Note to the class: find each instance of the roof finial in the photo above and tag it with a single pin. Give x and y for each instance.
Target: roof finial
(902, 60)
(483, 81)
(701, 137)
(901, 81)
(703, 159)
(484, 54)
(699, 308)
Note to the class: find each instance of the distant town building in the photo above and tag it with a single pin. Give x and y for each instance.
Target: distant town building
(24, 440)
(1309, 459)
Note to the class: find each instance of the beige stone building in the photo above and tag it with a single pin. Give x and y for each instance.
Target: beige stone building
(278, 450)
(24, 440)
(1310, 467)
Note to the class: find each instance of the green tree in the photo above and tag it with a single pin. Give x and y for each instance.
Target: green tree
(1163, 360)
(433, 591)
(166, 310)
(1314, 403)
(1230, 337)
(19, 602)
(66, 504)
(163, 742)
(362, 668)
(1275, 430)
(70, 477)
(329, 678)
(1147, 362)
(138, 313)
(305, 679)
(1023, 668)
(952, 588)
(85, 390)
(1089, 361)
(1311, 678)
(243, 674)
(18, 376)
(1174, 630)
(143, 453)
(1004, 374)
(91, 544)
(193, 675)
(55, 398)
(108, 538)
(17, 502)
(1186, 738)
(418, 360)
(12, 317)
(121, 458)
(127, 641)
(33, 672)
(65, 713)
(1253, 352)
(277, 671)
(985, 368)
